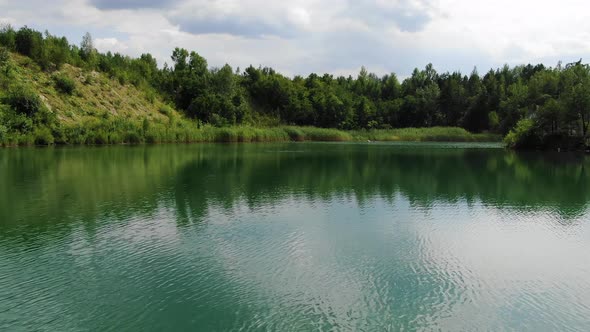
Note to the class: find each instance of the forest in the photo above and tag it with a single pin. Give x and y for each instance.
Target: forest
(531, 106)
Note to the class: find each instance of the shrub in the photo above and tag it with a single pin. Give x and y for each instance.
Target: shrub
(64, 84)
(218, 121)
(59, 135)
(115, 138)
(132, 137)
(523, 136)
(145, 126)
(88, 79)
(150, 96)
(43, 136)
(99, 138)
(152, 138)
(25, 139)
(4, 56)
(3, 133)
(122, 78)
(73, 135)
(166, 110)
(24, 100)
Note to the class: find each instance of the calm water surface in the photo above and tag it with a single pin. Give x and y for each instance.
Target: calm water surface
(294, 237)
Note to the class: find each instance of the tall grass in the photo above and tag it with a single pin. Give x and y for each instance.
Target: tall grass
(433, 134)
(122, 131)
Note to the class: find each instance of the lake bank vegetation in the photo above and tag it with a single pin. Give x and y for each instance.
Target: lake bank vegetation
(53, 92)
(122, 132)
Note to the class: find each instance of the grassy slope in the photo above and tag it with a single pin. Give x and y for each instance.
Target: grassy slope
(95, 94)
(103, 111)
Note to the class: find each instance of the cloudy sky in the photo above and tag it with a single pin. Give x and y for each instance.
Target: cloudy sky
(334, 36)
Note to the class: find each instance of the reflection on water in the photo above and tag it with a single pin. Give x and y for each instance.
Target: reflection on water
(293, 237)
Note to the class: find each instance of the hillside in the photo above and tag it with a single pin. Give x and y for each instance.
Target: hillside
(94, 95)
(93, 108)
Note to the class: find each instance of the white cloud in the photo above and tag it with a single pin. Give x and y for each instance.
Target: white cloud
(300, 17)
(6, 20)
(537, 28)
(336, 36)
(110, 44)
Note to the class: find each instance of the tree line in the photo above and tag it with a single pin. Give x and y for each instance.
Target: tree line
(530, 104)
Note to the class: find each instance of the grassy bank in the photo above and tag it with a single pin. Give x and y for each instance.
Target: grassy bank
(117, 131)
(433, 134)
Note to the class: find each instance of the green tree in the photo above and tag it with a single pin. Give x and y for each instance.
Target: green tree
(391, 88)
(576, 94)
(29, 42)
(428, 105)
(8, 37)
(87, 51)
(57, 51)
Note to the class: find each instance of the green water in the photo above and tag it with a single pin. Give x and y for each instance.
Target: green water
(293, 237)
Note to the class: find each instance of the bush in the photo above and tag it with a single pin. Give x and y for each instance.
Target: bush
(152, 138)
(88, 79)
(99, 138)
(25, 139)
(122, 78)
(64, 84)
(218, 121)
(166, 110)
(523, 136)
(151, 96)
(43, 136)
(18, 122)
(115, 138)
(3, 133)
(4, 56)
(24, 100)
(132, 137)
(59, 135)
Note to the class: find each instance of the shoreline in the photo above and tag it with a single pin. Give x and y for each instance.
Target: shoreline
(246, 134)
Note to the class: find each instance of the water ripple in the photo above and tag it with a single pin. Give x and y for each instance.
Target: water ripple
(340, 239)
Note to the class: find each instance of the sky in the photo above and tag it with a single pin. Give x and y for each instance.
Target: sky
(298, 37)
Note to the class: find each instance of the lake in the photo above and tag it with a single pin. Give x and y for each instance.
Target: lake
(294, 237)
